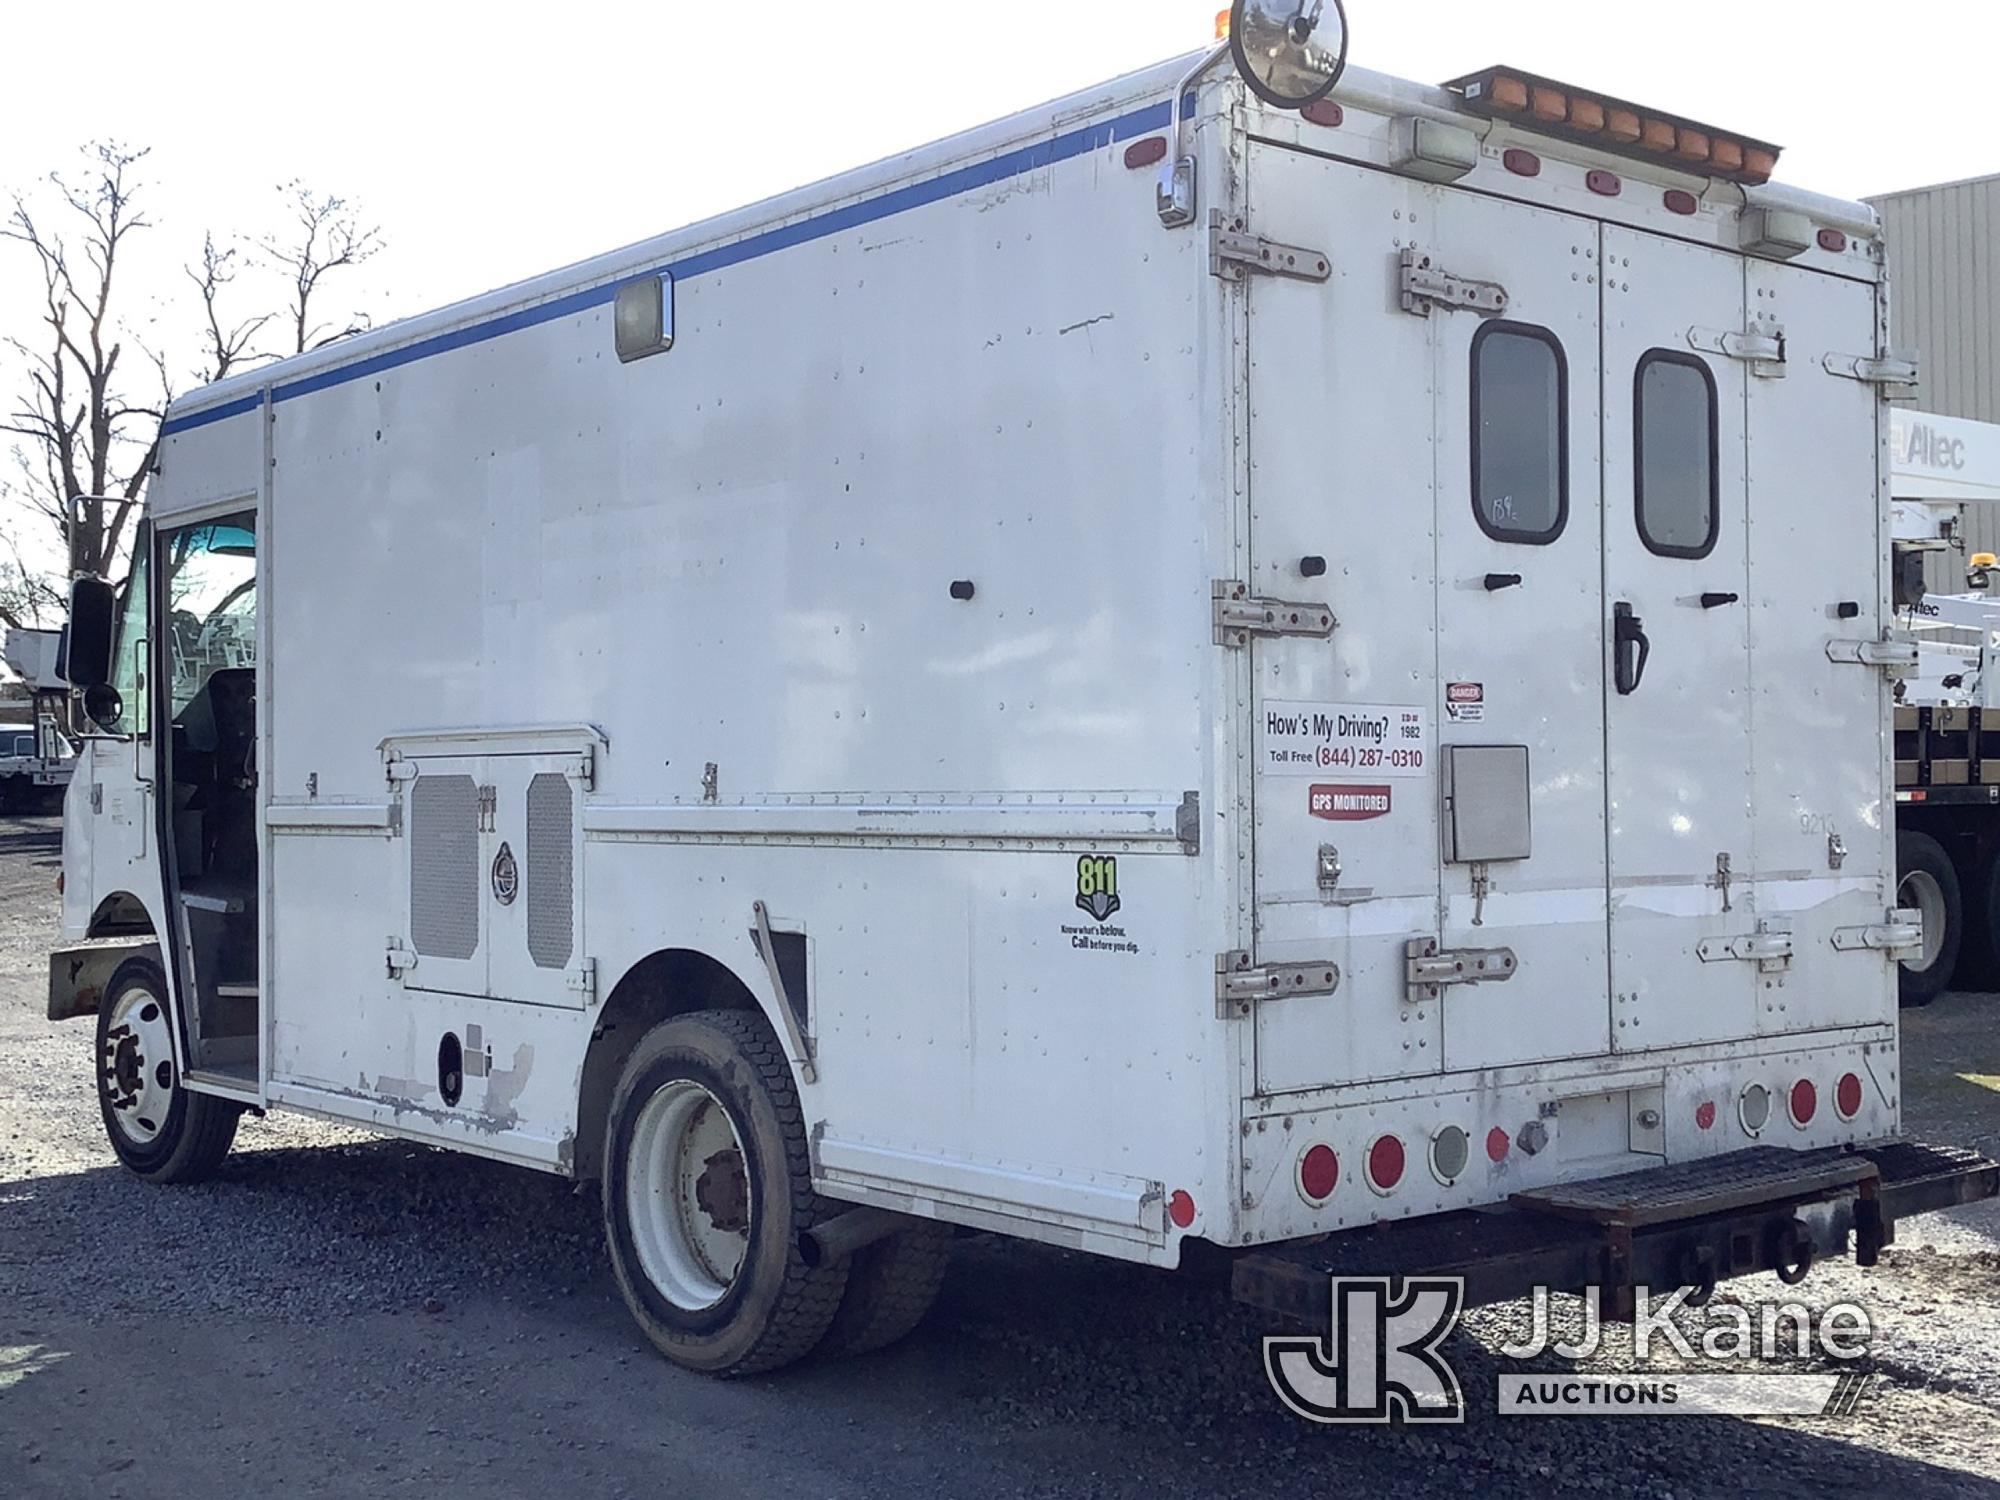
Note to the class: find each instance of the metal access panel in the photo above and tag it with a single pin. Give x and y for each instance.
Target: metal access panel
(488, 891)
(440, 900)
(1487, 813)
(535, 889)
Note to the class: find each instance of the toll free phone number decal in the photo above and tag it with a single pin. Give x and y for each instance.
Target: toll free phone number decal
(1364, 739)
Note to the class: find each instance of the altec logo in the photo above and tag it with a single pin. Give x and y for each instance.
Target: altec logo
(1932, 449)
(1350, 804)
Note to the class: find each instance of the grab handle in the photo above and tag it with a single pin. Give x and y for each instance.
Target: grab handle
(1630, 650)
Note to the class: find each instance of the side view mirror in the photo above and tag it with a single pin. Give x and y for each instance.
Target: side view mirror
(1290, 52)
(103, 705)
(93, 613)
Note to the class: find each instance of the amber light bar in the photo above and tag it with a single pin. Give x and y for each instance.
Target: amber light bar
(1592, 119)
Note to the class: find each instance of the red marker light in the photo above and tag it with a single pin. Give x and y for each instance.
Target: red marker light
(1498, 1144)
(1326, 113)
(1704, 1114)
(1847, 1097)
(1682, 202)
(1386, 1161)
(1319, 1173)
(1180, 1208)
(1147, 153)
(1804, 1101)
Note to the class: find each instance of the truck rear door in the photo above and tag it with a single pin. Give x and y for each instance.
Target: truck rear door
(1679, 705)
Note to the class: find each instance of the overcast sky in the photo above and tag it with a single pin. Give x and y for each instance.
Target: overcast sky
(495, 141)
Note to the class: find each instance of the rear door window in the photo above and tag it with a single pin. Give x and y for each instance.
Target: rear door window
(1678, 480)
(1520, 433)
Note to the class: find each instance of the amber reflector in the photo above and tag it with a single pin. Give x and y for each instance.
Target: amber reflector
(1551, 104)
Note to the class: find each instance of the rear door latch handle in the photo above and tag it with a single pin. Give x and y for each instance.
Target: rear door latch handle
(1630, 650)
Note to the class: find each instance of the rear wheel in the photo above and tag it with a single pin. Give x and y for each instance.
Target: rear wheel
(891, 1285)
(1927, 881)
(707, 1188)
(157, 1127)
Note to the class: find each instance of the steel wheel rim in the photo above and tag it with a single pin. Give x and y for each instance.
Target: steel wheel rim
(687, 1196)
(1921, 889)
(137, 1068)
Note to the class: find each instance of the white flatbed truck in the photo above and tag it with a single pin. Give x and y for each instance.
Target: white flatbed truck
(1166, 669)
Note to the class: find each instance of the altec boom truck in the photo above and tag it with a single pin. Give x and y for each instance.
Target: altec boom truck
(1170, 668)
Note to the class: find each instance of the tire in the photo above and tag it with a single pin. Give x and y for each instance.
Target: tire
(158, 1128)
(891, 1285)
(1927, 880)
(709, 1262)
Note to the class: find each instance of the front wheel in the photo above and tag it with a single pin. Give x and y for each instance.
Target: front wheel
(707, 1188)
(1927, 881)
(158, 1129)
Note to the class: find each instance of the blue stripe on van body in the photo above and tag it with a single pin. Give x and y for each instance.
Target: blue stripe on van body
(1016, 163)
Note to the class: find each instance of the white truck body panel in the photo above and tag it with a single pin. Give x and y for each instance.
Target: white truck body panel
(691, 621)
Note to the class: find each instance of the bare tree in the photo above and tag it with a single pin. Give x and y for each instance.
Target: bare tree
(83, 441)
(84, 435)
(328, 234)
(228, 341)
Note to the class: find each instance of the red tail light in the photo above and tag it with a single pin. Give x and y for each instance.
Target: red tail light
(1386, 1161)
(1805, 1102)
(1319, 1173)
(1847, 1097)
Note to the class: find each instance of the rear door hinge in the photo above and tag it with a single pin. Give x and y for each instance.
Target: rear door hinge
(401, 959)
(1901, 933)
(1897, 658)
(1187, 823)
(399, 771)
(1769, 948)
(1239, 616)
(1761, 346)
(583, 771)
(1428, 970)
(1240, 982)
(1425, 286)
(582, 980)
(1235, 252)
(1895, 372)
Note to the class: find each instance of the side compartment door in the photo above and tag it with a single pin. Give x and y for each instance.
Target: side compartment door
(443, 866)
(534, 889)
(1825, 830)
(1684, 924)
(1342, 501)
(1520, 636)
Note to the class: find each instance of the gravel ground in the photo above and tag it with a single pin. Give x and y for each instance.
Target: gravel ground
(343, 1315)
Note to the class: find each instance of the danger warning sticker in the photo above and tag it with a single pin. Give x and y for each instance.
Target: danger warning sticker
(1465, 702)
(1318, 739)
(1351, 804)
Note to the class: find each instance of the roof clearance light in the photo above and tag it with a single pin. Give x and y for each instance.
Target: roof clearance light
(1616, 125)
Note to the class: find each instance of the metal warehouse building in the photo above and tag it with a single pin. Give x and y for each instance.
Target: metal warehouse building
(1944, 247)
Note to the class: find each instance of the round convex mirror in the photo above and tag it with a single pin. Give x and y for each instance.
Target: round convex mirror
(1290, 52)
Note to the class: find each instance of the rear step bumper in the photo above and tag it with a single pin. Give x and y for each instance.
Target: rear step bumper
(1696, 1224)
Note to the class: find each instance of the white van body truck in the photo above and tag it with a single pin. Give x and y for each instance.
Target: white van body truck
(1164, 669)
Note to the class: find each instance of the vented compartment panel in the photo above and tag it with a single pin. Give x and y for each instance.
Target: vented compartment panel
(551, 871)
(444, 866)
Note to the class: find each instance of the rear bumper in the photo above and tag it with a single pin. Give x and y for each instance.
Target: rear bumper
(1692, 1225)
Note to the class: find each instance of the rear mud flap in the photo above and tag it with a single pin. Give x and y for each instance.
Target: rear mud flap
(1693, 1225)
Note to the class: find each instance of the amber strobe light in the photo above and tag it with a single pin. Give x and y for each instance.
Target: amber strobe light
(1616, 125)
